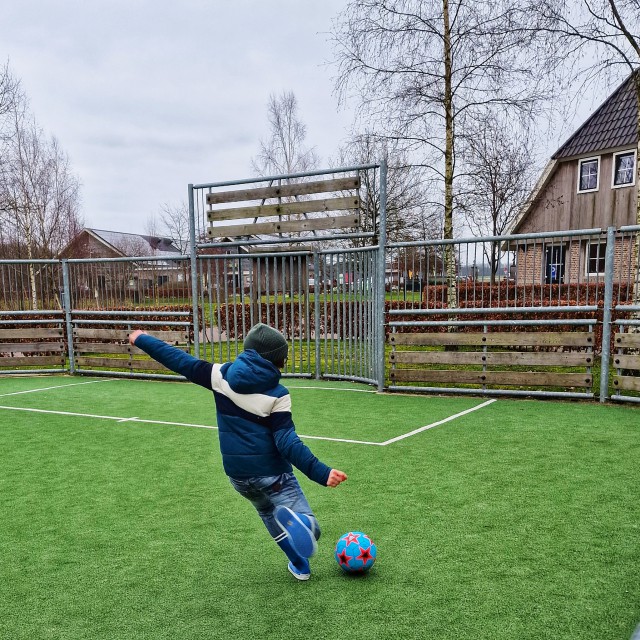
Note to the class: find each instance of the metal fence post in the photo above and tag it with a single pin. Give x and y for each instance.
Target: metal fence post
(605, 353)
(66, 301)
(194, 273)
(380, 280)
(318, 287)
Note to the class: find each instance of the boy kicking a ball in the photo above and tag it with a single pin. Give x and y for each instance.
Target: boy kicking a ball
(258, 441)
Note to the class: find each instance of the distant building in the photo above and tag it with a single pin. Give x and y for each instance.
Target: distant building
(161, 265)
(96, 243)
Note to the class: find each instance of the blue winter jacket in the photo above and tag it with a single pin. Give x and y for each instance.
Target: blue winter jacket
(255, 428)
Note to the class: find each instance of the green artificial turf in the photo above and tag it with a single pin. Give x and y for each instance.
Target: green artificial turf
(518, 520)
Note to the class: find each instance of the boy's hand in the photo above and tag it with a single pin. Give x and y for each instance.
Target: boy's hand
(336, 477)
(134, 335)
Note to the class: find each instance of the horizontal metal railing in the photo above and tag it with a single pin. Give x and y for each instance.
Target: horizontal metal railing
(326, 298)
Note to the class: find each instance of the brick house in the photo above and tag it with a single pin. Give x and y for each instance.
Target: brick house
(96, 243)
(589, 183)
(162, 264)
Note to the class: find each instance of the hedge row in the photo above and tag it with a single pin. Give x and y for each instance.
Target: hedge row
(481, 294)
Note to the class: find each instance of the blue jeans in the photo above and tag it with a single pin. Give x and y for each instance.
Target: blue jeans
(266, 493)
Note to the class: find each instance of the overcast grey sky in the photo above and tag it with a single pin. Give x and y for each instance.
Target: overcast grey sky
(148, 95)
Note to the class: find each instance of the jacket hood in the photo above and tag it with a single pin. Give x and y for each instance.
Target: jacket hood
(251, 373)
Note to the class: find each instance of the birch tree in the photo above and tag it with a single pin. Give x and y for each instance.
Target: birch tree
(11, 98)
(424, 71)
(40, 195)
(11, 101)
(284, 150)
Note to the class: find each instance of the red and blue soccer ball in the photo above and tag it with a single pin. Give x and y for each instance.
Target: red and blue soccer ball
(355, 552)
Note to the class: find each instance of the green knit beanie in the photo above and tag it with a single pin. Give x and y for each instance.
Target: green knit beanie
(268, 342)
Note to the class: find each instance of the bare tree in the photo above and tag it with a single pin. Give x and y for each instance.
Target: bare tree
(501, 169)
(175, 224)
(40, 195)
(12, 101)
(424, 71)
(601, 43)
(284, 151)
(409, 215)
(11, 97)
(151, 226)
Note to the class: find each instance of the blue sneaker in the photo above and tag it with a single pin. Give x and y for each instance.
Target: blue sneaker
(299, 574)
(302, 538)
(314, 530)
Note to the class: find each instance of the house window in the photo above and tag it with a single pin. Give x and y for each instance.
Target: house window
(595, 257)
(588, 170)
(624, 165)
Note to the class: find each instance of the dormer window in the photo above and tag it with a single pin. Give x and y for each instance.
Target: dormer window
(588, 175)
(624, 169)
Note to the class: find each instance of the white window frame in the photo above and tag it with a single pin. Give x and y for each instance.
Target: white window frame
(580, 163)
(601, 256)
(613, 169)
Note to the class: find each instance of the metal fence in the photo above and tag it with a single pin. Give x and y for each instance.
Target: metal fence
(318, 286)
(547, 314)
(624, 322)
(77, 314)
(483, 298)
(327, 318)
(30, 285)
(32, 317)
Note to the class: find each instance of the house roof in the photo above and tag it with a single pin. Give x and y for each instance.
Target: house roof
(128, 244)
(120, 239)
(613, 124)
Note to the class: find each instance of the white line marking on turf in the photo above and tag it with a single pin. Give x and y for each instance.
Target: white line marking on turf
(435, 424)
(289, 386)
(205, 426)
(60, 386)
(115, 418)
(164, 422)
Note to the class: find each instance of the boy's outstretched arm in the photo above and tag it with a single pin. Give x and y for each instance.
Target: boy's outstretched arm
(299, 455)
(198, 371)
